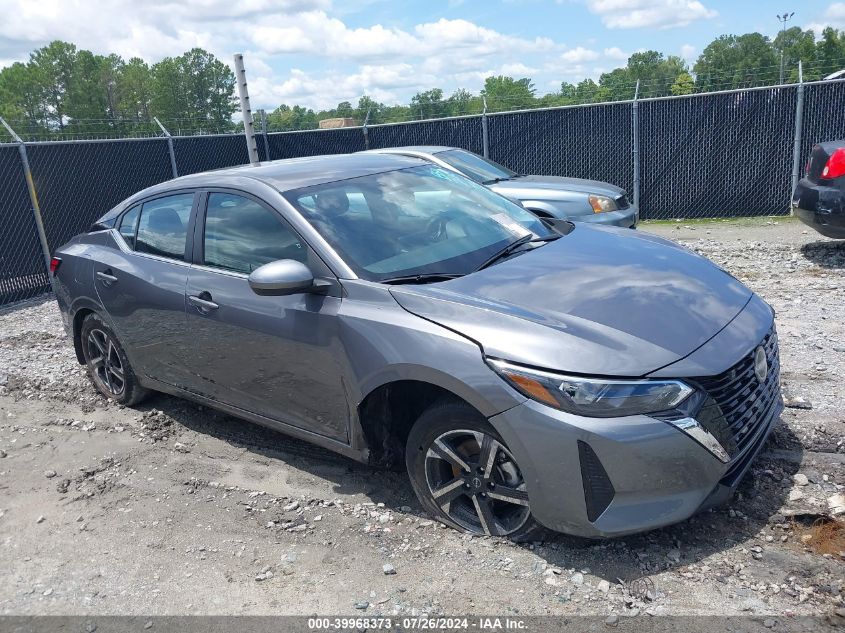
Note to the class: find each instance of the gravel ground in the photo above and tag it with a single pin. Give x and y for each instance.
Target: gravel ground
(172, 508)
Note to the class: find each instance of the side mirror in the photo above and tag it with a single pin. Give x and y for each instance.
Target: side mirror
(281, 277)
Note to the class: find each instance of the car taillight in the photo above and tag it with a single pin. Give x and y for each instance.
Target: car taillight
(55, 262)
(835, 165)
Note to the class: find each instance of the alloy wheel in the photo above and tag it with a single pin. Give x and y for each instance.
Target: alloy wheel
(105, 362)
(475, 480)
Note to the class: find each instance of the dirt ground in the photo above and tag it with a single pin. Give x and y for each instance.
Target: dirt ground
(172, 508)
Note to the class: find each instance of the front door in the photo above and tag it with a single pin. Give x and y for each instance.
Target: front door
(141, 284)
(274, 356)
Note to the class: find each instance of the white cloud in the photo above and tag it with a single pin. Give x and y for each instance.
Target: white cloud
(833, 16)
(614, 52)
(664, 14)
(579, 55)
(688, 52)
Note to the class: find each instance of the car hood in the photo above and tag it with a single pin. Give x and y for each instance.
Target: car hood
(546, 186)
(600, 300)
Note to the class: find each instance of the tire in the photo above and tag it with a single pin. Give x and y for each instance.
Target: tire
(450, 437)
(107, 364)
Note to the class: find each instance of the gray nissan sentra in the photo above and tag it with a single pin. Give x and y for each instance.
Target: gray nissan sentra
(592, 380)
(552, 197)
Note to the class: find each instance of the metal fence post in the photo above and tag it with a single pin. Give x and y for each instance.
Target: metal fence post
(485, 135)
(635, 130)
(170, 149)
(263, 115)
(33, 197)
(364, 130)
(246, 111)
(799, 122)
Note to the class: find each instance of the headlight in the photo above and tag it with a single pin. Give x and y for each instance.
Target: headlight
(601, 204)
(593, 397)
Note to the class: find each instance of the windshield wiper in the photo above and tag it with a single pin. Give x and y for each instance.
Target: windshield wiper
(510, 248)
(493, 181)
(422, 278)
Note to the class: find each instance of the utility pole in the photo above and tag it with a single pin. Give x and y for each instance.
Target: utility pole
(783, 19)
(246, 110)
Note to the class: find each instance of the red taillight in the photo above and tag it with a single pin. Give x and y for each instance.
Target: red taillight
(835, 166)
(55, 262)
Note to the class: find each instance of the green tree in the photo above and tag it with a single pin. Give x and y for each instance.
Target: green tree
(684, 84)
(135, 90)
(507, 93)
(22, 96)
(737, 61)
(54, 66)
(428, 104)
(830, 52)
(797, 45)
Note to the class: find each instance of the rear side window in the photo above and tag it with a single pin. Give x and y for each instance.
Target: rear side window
(129, 225)
(163, 227)
(241, 235)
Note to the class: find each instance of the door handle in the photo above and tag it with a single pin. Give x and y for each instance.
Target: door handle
(106, 277)
(202, 304)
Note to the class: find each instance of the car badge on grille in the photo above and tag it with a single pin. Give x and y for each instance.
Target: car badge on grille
(761, 364)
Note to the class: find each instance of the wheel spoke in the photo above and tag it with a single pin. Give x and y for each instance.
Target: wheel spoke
(489, 450)
(110, 350)
(486, 516)
(445, 494)
(442, 450)
(509, 495)
(97, 343)
(96, 362)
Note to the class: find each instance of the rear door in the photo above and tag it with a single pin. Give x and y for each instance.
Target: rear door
(141, 283)
(274, 356)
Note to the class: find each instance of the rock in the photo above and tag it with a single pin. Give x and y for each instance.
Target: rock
(769, 623)
(48, 592)
(797, 402)
(148, 624)
(612, 620)
(795, 494)
(40, 519)
(264, 575)
(836, 503)
(674, 555)
(550, 580)
(388, 569)
(577, 578)
(362, 605)
(405, 509)
(49, 474)
(293, 505)
(2, 453)
(603, 586)
(800, 479)
(178, 446)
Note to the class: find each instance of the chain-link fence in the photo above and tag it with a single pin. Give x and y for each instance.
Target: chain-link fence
(710, 155)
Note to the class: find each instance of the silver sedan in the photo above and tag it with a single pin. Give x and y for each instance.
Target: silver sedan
(554, 197)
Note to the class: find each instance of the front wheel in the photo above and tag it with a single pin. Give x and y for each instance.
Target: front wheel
(464, 474)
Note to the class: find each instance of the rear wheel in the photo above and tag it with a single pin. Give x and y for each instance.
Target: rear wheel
(466, 476)
(107, 364)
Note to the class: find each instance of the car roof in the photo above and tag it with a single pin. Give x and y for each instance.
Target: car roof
(423, 149)
(283, 175)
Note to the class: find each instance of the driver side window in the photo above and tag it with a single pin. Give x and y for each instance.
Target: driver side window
(242, 235)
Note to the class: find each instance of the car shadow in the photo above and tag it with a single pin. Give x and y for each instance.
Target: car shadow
(826, 254)
(757, 503)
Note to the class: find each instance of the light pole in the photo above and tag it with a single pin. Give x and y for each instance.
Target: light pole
(783, 19)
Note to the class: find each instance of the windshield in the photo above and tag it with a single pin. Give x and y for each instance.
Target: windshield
(417, 221)
(475, 167)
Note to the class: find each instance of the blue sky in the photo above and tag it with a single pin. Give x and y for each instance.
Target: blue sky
(319, 52)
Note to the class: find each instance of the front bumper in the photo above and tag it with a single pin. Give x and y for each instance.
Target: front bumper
(659, 475)
(625, 218)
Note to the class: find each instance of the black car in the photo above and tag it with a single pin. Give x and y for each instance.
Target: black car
(819, 198)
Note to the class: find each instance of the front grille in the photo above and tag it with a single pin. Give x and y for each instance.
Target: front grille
(622, 202)
(739, 401)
